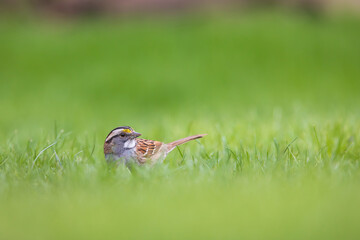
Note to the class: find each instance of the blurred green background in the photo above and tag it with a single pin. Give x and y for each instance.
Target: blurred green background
(276, 90)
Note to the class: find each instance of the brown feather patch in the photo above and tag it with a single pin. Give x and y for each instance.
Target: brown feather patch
(146, 149)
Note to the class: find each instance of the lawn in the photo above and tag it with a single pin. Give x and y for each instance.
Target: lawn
(276, 92)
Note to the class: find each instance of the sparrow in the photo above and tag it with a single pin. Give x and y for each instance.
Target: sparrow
(123, 145)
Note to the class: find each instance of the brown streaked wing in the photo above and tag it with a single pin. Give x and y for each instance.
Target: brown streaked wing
(146, 149)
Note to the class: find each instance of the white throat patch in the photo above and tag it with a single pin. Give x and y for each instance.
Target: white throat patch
(130, 143)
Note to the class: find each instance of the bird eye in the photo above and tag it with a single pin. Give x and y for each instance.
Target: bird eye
(122, 134)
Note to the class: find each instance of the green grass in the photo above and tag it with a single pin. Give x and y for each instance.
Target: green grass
(277, 93)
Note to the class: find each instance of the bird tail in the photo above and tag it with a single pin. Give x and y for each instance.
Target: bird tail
(172, 145)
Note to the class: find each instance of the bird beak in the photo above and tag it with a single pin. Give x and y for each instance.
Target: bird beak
(136, 134)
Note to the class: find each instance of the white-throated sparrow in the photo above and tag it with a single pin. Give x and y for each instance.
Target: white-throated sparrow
(123, 145)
